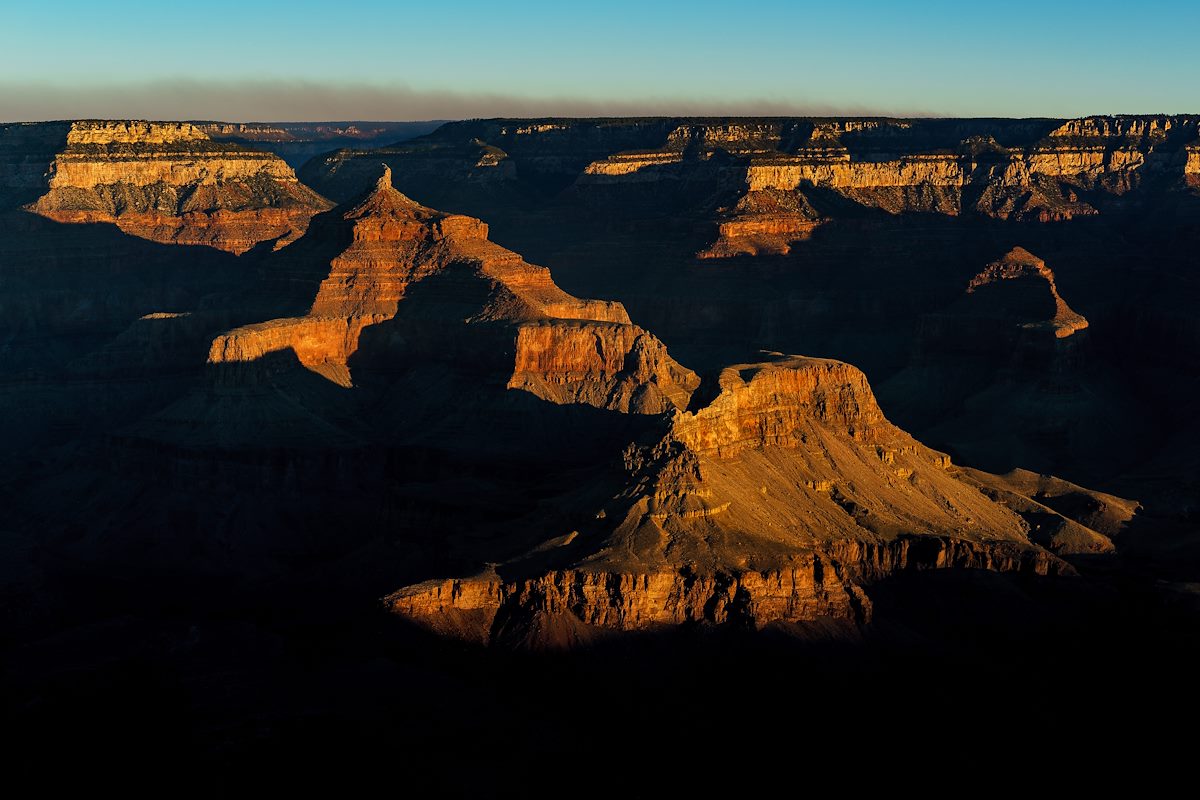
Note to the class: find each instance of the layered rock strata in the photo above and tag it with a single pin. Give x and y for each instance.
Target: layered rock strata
(1042, 170)
(764, 222)
(779, 502)
(171, 183)
(563, 349)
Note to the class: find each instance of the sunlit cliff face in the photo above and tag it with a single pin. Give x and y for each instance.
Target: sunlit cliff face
(567, 350)
(170, 183)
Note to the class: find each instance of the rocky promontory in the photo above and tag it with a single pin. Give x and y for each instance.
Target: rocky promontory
(171, 183)
(442, 272)
(778, 503)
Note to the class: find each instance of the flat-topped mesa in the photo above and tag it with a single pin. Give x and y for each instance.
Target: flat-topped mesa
(564, 349)
(1032, 297)
(774, 403)
(780, 502)
(136, 132)
(170, 183)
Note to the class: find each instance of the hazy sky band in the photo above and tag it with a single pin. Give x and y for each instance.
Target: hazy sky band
(369, 60)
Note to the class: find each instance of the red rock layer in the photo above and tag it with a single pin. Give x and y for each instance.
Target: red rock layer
(778, 503)
(170, 183)
(616, 366)
(764, 222)
(233, 231)
(763, 405)
(566, 350)
(573, 607)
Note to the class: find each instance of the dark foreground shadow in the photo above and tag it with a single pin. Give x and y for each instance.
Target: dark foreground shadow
(964, 673)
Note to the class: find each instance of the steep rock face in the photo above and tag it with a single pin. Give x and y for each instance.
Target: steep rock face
(615, 365)
(575, 607)
(1191, 169)
(764, 405)
(1133, 128)
(764, 222)
(1034, 279)
(1097, 156)
(135, 132)
(1016, 193)
(780, 502)
(322, 344)
(1041, 181)
(564, 349)
(849, 472)
(860, 178)
(171, 183)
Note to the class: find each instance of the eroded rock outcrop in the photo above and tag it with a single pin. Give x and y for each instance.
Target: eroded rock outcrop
(779, 502)
(563, 349)
(171, 183)
(1033, 282)
(608, 365)
(764, 222)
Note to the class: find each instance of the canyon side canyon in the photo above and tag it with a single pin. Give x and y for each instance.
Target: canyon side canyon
(386, 406)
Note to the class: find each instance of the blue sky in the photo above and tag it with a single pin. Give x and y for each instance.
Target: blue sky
(397, 60)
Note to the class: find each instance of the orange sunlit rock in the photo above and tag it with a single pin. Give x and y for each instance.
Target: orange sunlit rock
(170, 183)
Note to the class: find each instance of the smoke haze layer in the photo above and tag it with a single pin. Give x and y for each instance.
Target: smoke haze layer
(305, 101)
